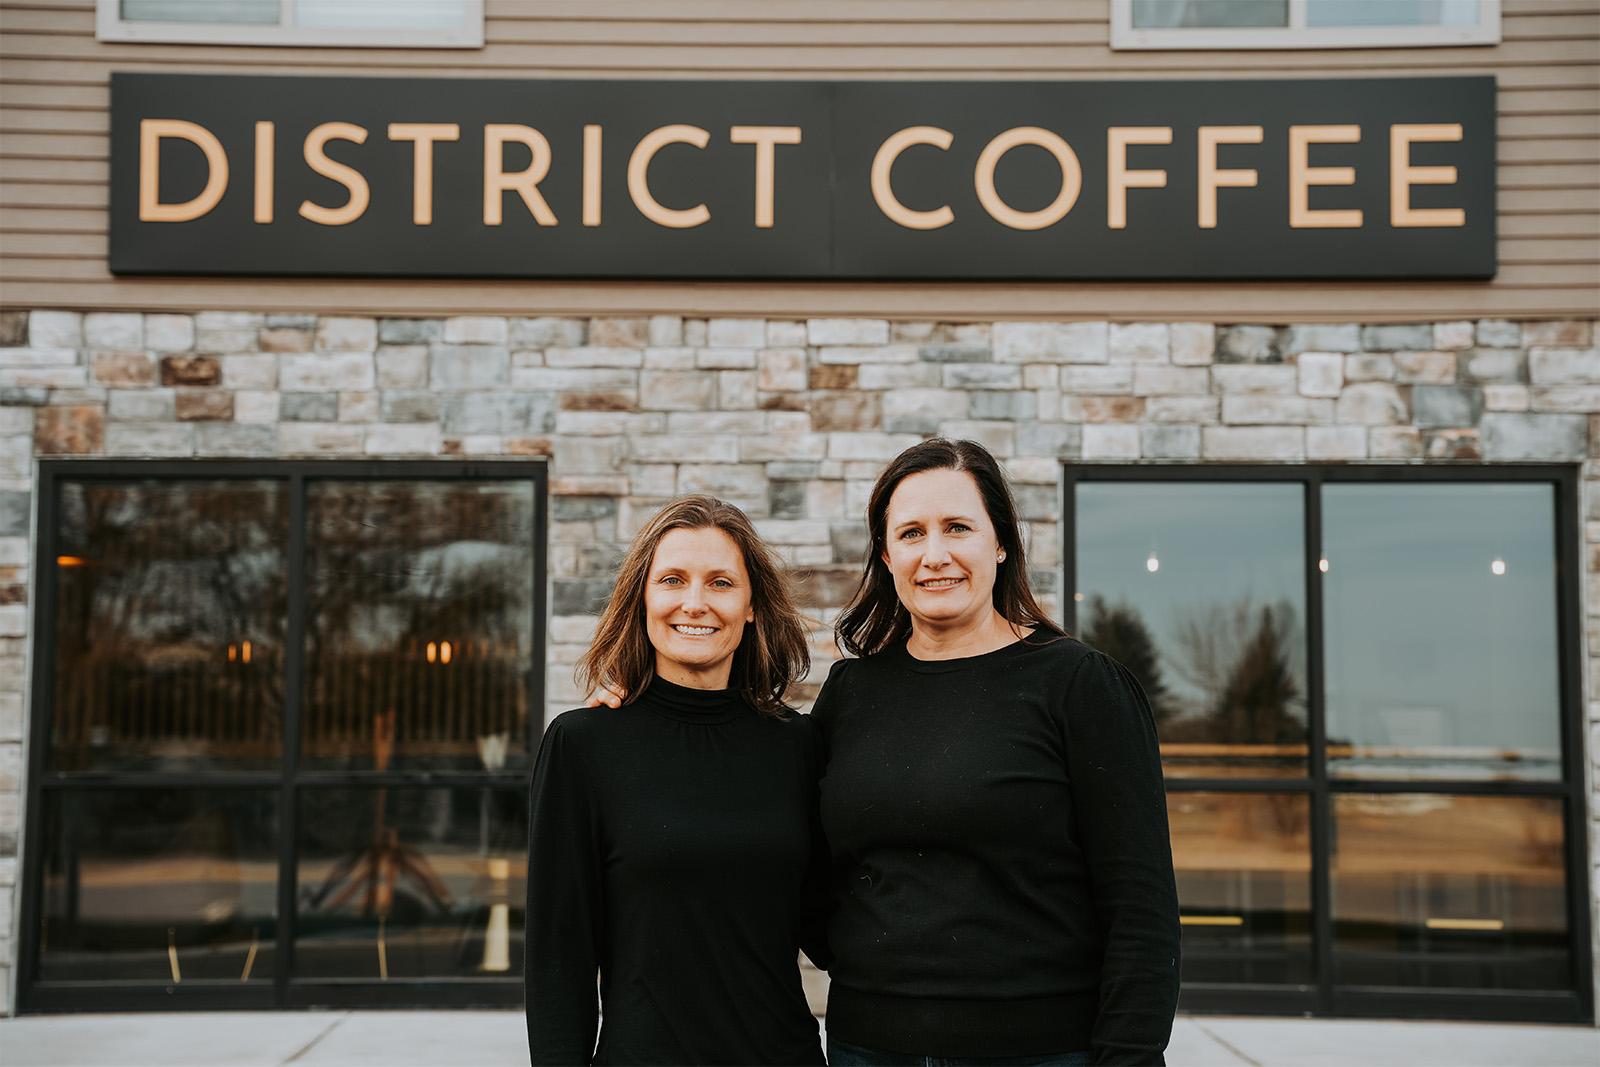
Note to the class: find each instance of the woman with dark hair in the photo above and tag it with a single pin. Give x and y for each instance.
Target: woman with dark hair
(675, 850)
(993, 800)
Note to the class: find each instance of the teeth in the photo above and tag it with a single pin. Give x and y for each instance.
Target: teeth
(696, 631)
(940, 583)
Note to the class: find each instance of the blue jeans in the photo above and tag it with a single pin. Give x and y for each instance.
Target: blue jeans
(844, 1054)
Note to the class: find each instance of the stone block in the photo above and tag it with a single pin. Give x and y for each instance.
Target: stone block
(169, 333)
(476, 330)
(190, 370)
(736, 389)
(309, 407)
(251, 405)
(403, 439)
(669, 359)
(358, 407)
(320, 438)
(677, 390)
(998, 436)
(204, 405)
(1365, 367)
(922, 410)
(281, 340)
(1496, 366)
(1425, 368)
(666, 331)
(1499, 333)
(14, 394)
(609, 423)
(150, 439)
(235, 439)
(736, 333)
(1253, 378)
(1394, 442)
(291, 320)
(1155, 380)
(1043, 376)
(1113, 408)
(402, 367)
(587, 356)
(409, 331)
(466, 367)
(787, 334)
(981, 376)
(723, 479)
(13, 328)
(786, 500)
(1193, 344)
(1195, 409)
(1052, 342)
(1033, 470)
(724, 358)
(1554, 398)
(1336, 442)
(1557, 438)
(1264, 409)
(1446, 405)
(781, 369)
(1397, 337)
(38, 357)
(250, 372)
(1564, 366)
(1249, 344)
(1049, 439)
(825, 500)
(955, 353)
(1101, 380)
(898, 375)
(685, 448)
(1169, 441)
(520, 414)
(1319, 373)
(846, 411)
(880, 354)
(579, 596)
(871, 447)
(1111, 441)
(408, 406)
(1570, 333)
(1138, 342)
(55, 329)
(1452, 444)
(847, 331)
(619, 332)
(562, 380)
(124, 370)
(1372, 404)
(337, 333)
(1263, 443)
(546, 332)
(118, 330)
(74, 430)
(325, 372)
(1506, 398)
(1321, 337)
(15, 508)
(1452, 336)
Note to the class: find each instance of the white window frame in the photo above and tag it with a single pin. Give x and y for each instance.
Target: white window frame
(1298, 35)
(111, 26)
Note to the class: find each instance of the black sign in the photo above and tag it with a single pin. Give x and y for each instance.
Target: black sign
(425, 177)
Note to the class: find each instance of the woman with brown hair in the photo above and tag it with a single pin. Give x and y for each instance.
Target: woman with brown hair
(993, 800)
(674, 845)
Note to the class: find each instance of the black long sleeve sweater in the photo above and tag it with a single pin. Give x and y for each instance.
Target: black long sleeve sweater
(673, 841)
(1002, 868)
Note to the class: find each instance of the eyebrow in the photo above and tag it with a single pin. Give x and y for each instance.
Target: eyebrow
(969, 520)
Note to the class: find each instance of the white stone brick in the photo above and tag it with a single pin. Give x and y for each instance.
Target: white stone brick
(997, 436)
(251, 405)
(477, 330)
(847, 331)
(787, 334)
(590, 357)
(562, 380)
(736, 389)
(1585, 398)
(1097, 380)
(1506, 398)
(669, 359)
(55, 329)
(609, 423)
(880, 354)
(1499, 333)
(1041, 376)
(776, 448)
(685, 448)
(249, 372)
(677, 390)
(142, 405)
(1370, 367)
(1051, 342)
(1564, 366)
(38, 357)
(1139, 342)
(743, 423)
(792, 531)
(118, 330)
(722, 479)
(781, 370)
(150, 439)
(936, 404)
(46, 377)
(325, 372)
(1425, 368)
(1264, 409)
(788, 422)
(1169, 441)
(1154, 380)
(869, 446)
(1107, 440)
(1372, 404)
(169, 333)
(320, 438)
(1319, 373)
(1033, 470)
(1254, 378)
(1336, 442)
(357, 407)
(1195, 409)
(738, 333)
(1193, 343)
(402, 367)
(1452, 335)
(346, 334)
(1268, 443)
(665, 331)
(1394, 442)
(900, 375)
(725, 358)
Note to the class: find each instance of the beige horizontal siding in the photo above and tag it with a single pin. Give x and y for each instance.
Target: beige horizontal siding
(54, 101)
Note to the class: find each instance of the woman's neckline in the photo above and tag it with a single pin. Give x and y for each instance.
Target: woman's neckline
(957, 663)
(704, 706)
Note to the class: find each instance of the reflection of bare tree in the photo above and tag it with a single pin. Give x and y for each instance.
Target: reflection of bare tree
(1119, 631)
(1244, 659)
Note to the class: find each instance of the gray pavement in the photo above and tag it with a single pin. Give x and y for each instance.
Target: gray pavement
(497, 1039)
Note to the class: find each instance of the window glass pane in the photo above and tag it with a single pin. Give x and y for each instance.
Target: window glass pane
(1199, 589)
(218, 12)
(169, 625)
(411, 883)
(1391, 12)
(159, 885)
(1187, 14)
(1450, 892)
(1243, 862)
(1441, 631)
(419, 624)
(381, 14)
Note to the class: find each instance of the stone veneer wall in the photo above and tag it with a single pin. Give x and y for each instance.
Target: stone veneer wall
(790, 420)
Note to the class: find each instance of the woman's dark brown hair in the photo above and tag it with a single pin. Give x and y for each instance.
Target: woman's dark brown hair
(772, 653)
(875, 618)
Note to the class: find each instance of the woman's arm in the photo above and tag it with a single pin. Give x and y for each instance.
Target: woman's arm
(1114, 764)
(566, 908)
(816, 902)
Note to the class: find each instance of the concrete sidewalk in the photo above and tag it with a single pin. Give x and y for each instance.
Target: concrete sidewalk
(497, 1039)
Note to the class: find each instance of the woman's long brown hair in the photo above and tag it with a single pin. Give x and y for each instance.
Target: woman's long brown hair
(772, 652)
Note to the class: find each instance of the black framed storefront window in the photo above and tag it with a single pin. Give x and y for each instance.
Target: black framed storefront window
(1366, 685)
(282, 717)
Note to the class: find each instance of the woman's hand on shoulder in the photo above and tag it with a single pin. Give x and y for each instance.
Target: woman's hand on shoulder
(611, 698)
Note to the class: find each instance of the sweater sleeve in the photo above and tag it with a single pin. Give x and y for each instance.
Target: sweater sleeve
(816, 902)
(566, 907)
(1114, 763)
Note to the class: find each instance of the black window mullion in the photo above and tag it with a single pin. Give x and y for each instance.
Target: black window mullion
(1317, 719)
(1569, 631)
(293, 708)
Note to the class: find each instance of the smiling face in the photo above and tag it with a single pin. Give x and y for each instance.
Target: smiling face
(942, 550)
(696, 605)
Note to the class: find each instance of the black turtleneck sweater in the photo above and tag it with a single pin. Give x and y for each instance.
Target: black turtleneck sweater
(1001, 860)
(674, 850)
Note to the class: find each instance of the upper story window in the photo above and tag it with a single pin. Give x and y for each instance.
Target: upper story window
(1248, 24)
(312, 23)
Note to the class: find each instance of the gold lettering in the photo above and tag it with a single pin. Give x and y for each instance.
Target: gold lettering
(151, 131)
(422, 135)
(1211, 179)
(264, 157)
(764, 138)
(1302, 176)
(1402, 176)
(1119, 179)
(639, 179)
(591, 175)
(349, 177)
(526, 182)
(1071, 178)
(883, 190)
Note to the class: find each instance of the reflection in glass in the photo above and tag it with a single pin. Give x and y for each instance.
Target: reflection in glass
(232, 12)
(1450, 892)
(1243, 863)
(411, 883)
(1199, 590)
(419, 624)
(158, 885)
(1189, 14)
(169, 626)
(1391, 12)
(1437, 665)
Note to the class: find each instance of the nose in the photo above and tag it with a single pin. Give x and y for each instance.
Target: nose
(694, 601)
(934, 551)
